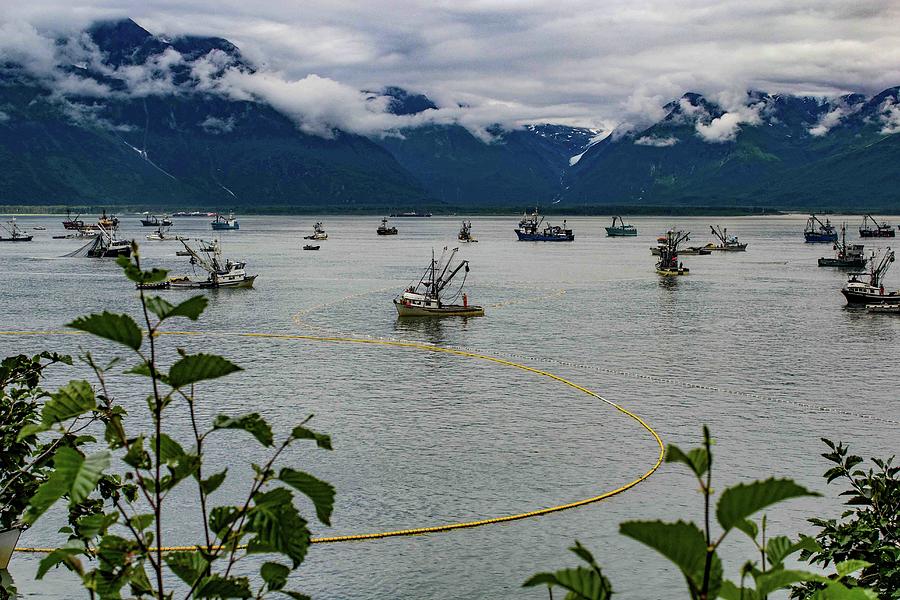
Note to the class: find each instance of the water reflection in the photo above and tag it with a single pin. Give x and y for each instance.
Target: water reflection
(423, 328)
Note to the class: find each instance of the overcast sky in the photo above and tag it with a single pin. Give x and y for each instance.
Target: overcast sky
(595, 63)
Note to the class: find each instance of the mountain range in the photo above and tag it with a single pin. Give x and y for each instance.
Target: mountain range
(140, 124)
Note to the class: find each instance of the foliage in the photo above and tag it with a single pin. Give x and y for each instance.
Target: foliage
(868, 532)
(693, 549)
(122, 516)
(25, 461)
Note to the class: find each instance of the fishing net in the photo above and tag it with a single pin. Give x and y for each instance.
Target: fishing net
(87, 249)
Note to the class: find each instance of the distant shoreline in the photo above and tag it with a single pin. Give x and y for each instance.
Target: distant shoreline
(736, 211)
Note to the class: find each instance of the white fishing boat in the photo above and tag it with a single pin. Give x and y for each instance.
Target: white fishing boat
(219, 273)
(16, 234)
(161, 235)
(424, 298)
(318, 233)
(465, 233)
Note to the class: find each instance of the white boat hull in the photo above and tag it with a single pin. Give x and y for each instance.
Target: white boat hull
(447, 310)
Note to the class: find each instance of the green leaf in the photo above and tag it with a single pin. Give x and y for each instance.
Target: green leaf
(118, 328)
(294, 595)
(682, 543)
(73, 474)
(838, 591)
(144, 369)
(71, 400)
(748, 527)
(777, 549)
(136, 456)
(251, 423)
(320, 492)
(277, 525)
(142, 521)
(766, 583)
(274, 574)
(64, 554)
(191, 308)
(187, 565)
(199, 367)
(582, 583)
(212, 483)
(216, 586)
(302, 433)
(136, 275)
(169, 449)
(96, 524)
(697, 459)
(730, 591)
(848, 567)
(743, 500)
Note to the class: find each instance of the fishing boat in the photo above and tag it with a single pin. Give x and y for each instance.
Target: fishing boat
(311, 247)
(818, 232)
(161, 235)
(220, 274)
(107, 221)
(883, 229)
(228, 223)
(668, 265)
(39, 228)
(154, 221)
(620, 230)
(75, 224)
(689, 251)
(846, 255)
(412, 213)
(883, 307)
(383, 229)
(424, 298)
(727, 243)
(15, 233)
(465, 233)
(858, 292)
(104, 244)
(529, 230)
(318, 233)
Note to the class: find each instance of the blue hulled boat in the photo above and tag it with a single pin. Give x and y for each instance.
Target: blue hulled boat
(818, 232)
(225, 223)
(529, 230)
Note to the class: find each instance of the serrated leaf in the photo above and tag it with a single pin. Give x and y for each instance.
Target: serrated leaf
(71, 400)
(303, 433)
(116, 327)
(320, 492)
(748, 527)
(191, 308)
(766, 583)
(216, 586)
(212, 483)
(136, 275)
(158, 306)
(837, 591)
(252, 423)
(848, 567)
(277, 525)
(194, 368)
(274, 574)
(96, 524)
(741, 501)
(697, 459)
(682, 543)
(169, 449)
(72, 474)
(584, 583)
(137, 456)
(64, 554)
(730, 591)
(144, 369)
(777, 549)
(188, 565)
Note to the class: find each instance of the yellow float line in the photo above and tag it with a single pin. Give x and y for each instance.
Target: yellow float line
(429, 348)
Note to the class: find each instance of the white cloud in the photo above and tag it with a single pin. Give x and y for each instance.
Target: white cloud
(833, 117)
(215, 125)
(889, 114)
(726, 127)
(4, 117)
(656, 142)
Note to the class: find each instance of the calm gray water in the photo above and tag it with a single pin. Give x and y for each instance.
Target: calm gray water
(422, 438)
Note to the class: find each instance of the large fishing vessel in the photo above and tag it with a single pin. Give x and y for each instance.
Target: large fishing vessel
(668, 264)
(318, 232)
(228, 223)
(859, 292)
(424, 298)
(465, 233)
(104, 244)
(529, 230)
(220, 274)
(383, 229)
(622, 230)
(727, 243)
(154, 221)
(883, 229)
(818, 232)
(848, 256)
(15, 233)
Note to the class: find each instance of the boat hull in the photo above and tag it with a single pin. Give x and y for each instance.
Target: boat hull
(190, 284)
(856, 263)
(448, 310)
(858, 298)
(891, 309)
(20, 238)
(820, 238)
(391, 231)
(224, 226)
(540, 237)
(673, 272)
(877, 233)
(619, 232)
